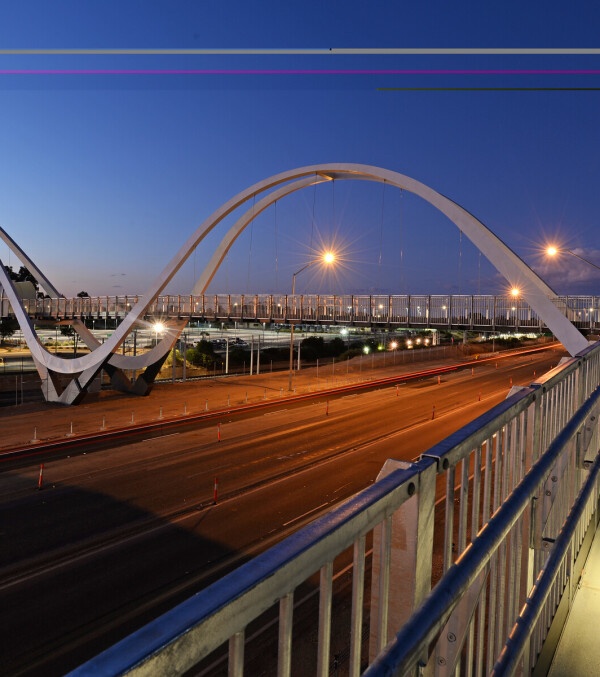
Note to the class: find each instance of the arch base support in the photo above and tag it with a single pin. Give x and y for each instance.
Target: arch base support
(54, 389)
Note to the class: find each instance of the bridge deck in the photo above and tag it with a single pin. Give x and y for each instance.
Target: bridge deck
(478, 312)
(578, 651)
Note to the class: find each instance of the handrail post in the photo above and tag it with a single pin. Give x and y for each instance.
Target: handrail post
(408, 554)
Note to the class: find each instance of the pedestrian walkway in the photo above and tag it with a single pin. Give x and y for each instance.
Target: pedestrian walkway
(578, 652)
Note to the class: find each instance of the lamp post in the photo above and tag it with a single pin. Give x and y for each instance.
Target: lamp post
(394, 346)
(515, 294)
(328, 257)
(158, 329)
(553, 251)
(344, 332)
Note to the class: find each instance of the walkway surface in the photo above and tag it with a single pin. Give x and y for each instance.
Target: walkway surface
(578, 652)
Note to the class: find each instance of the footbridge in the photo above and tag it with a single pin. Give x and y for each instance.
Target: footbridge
(80, 372)
(466, 311)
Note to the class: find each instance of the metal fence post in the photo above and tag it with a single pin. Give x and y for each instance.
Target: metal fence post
(410, 556)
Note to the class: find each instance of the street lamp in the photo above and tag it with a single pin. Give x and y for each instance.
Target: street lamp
(158, 327)
(328, 257)
(394, 346)
(553, 251)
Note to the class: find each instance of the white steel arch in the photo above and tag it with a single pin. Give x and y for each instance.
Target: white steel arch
(532, 288)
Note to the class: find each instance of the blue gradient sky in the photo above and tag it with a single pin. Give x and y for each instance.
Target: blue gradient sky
(104, 176)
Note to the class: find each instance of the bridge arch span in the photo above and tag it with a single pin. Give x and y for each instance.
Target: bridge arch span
(532, 288)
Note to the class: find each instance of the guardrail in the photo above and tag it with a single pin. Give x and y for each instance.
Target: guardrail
(517, 473)
(467, 310)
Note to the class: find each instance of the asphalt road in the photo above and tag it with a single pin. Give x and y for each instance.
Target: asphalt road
(120, 535)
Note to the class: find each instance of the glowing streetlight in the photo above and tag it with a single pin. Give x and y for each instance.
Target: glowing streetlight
(158, 327)
(553, 251)
(366, 350)
(328, 258)
(514, 291)
(393, 345)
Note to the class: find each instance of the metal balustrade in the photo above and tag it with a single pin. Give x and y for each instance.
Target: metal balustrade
(480, 312)
(521, 496)
(471, 619)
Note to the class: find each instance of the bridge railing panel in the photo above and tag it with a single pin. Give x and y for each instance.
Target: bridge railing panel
(506, 309)
(249, 307)
(380, 309)
(361, 311)
(197, 306)
(419, 310)
(584, 310)
(208, 306)
(439, 309)
(483, 311)
(263, 307)
(344, 308)
(537, 465)
(399, 309)
(278, 307)
(326, 308)
(222, 305)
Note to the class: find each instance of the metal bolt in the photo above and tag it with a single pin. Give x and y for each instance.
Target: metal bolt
(554, 478)
(546, 544)
(441, 660)
(451, 637)
(548, 493)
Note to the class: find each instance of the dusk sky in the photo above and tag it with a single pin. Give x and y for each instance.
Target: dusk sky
(103, 176)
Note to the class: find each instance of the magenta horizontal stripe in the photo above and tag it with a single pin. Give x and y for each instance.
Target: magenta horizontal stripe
(299, 72)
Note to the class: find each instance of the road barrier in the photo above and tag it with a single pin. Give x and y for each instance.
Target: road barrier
(520, 506)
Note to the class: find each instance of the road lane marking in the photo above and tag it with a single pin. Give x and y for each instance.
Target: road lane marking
(292, 455)
(304, 515)
(159, 437)
(211, 471)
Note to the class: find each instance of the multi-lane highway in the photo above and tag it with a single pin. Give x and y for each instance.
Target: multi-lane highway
(121, 534)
